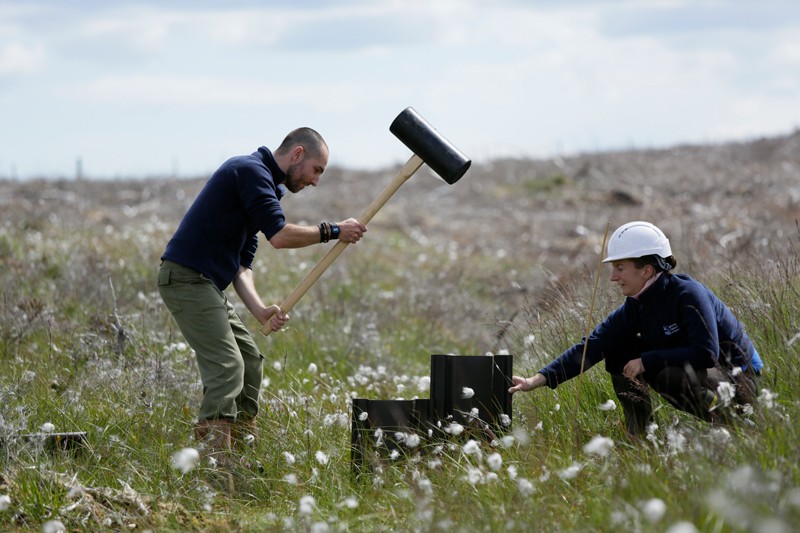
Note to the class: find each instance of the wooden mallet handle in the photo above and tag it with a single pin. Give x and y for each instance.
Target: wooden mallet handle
(408, 170)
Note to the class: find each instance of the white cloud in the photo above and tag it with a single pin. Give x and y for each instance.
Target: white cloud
(17, 58)
(499, 78)
(192, 91)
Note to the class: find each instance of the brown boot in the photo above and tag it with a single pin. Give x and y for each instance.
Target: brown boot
(216, 435)
(244, 433)
(201, 430)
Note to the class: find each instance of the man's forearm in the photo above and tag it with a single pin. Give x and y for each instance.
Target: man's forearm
(295, 236)
(245, 288)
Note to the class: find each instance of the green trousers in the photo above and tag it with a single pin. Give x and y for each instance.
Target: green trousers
(229, 361)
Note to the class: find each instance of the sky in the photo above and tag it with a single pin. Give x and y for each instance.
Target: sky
(117, 89)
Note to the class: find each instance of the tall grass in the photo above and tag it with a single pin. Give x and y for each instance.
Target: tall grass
(86, 345)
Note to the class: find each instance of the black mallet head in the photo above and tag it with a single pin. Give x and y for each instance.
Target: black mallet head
(426, 142)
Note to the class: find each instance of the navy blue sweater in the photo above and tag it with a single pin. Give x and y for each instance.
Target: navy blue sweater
(219, 232)
(677, 320)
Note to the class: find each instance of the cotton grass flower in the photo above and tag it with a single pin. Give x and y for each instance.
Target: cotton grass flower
(570, 472)
(320, 527)
(291, 479)
(47, 427)
(424, 383)
(289, 458)
(336, 419)
(185, 460)
(306, 505)
(505, 420)
(676, 441)
(412, 440)
(312, 368)
(474, 476)
(725, 393)
(767, 398)
(472, 448)
(529, 340)
(467, 393)
(682, 527)
(654, 510)
(434, 464)
(525, 487)
(424, 484)
(321, 457)
(349, 503)
(5, 502)
(608, 405)
(494, 461)
(53, 526)
(454, 428)
(600, 446)
(720, 435)
(512, 471)
(522, 436)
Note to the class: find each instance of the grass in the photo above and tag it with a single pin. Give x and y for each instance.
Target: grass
(86, 345)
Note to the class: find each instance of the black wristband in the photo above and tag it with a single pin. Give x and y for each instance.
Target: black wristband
(334, 230)
(322, 232)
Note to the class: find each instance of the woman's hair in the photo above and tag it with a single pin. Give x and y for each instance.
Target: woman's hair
(311, 141)
(661, 264)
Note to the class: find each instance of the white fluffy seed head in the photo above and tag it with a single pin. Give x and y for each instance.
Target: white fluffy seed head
(185, 460)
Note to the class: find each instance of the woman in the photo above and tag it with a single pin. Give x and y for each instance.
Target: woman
(672, 333)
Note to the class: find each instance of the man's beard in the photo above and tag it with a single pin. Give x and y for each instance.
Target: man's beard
(292, 180)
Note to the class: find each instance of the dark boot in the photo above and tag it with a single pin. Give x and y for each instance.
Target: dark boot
(634, 398)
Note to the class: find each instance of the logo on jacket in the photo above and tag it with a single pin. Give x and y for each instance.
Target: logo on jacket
(671, 329)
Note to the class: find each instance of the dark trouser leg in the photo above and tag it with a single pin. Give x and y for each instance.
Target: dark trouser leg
(747, 387)
(687, 389)
(635, 401)
(745, 384)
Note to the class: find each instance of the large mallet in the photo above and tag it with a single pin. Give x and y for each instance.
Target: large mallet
(429, 147)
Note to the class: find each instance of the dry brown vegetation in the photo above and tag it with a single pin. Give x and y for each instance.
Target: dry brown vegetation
(515, 225)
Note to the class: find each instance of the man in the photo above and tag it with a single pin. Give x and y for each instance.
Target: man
(214, 247)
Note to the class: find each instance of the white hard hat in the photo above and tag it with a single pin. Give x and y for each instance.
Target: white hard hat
(637, 239)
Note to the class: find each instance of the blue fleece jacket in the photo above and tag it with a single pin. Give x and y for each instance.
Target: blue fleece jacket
(677, 320)
(219, 232)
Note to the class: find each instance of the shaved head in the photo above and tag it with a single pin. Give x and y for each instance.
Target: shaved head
(311, 141)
